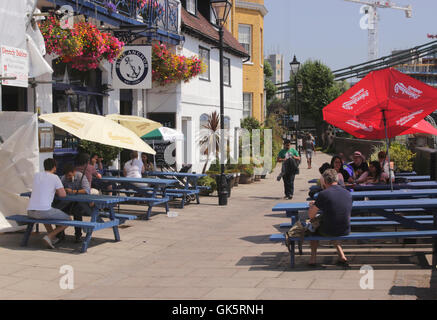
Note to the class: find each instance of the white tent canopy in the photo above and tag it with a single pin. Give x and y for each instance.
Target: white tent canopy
(19, 161)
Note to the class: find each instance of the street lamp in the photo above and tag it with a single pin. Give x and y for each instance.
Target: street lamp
(295, 66)
(221, 10)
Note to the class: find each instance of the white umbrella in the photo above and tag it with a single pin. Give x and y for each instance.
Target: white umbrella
(98, 129)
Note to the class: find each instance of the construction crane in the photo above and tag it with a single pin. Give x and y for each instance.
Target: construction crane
(371, 18)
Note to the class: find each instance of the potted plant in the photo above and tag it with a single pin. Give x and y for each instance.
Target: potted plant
(246, 171)
(210, 185)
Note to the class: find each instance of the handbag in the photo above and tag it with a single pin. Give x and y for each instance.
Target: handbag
(296, 231)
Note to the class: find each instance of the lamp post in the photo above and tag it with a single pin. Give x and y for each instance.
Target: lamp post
(221, 10)
(295, 66)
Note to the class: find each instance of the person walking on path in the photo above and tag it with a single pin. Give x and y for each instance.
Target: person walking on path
(309, 150)
(288, 174)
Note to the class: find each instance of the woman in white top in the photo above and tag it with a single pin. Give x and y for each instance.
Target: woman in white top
(134, 168)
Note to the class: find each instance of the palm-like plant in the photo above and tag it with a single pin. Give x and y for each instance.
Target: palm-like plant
(210, 137)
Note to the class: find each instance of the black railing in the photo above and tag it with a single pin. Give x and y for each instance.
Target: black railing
(163, 14)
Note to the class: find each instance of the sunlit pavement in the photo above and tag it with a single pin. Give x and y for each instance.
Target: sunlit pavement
(212, 252)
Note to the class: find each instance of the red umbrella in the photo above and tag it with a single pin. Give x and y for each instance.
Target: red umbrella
(383, 104)
(422, 126)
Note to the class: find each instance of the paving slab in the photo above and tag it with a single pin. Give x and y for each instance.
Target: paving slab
(212, 252)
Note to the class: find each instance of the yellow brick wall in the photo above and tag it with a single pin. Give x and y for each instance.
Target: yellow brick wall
(253, 71)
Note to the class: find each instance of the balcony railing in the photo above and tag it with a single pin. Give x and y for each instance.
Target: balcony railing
(162, 14)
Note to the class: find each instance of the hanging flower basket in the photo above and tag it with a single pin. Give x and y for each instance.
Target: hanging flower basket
(170, 68)
(83, 47)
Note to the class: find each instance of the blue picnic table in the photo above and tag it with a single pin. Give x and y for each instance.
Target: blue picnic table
(158, 187)
(396, 186)
(384, 208)
(189, 178)
(406, 174)
(101, 202)
(395, 194)
(414, 178)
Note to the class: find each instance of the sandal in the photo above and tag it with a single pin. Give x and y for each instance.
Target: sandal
(342, 263)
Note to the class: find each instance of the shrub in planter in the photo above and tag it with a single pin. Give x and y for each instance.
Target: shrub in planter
(246, 173)
(207, 182)
(399, 154)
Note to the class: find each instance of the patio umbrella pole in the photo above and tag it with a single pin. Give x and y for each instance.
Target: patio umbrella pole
(388, 149)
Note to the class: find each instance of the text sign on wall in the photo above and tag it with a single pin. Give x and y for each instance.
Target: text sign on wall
(133, 68)
(14, 62)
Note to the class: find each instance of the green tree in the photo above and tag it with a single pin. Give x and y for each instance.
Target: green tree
(319, 89)
(108, 153)
(277, 106)
(250, 123)
(268, 84)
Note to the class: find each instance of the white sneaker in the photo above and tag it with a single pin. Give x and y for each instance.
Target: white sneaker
(48, 242)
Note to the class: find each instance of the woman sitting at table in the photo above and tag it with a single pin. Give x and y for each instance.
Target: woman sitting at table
(375, 175)
(337, 164)
(134, 168)
(148, 166)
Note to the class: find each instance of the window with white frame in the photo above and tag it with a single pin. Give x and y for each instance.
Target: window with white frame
(245, 37)
(191, 6)
(226, 71)
(227, 123)
(247, 104)
(203, 121)
(204, 55)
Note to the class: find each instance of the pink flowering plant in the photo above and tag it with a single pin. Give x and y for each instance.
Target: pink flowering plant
(170, 68)
(83, 47)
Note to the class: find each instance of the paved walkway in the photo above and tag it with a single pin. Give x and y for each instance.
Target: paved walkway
(212, 252)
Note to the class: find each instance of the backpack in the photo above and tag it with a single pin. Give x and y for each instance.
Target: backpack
(291, 166)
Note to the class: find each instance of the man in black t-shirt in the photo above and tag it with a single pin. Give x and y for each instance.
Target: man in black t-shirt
(335, 204)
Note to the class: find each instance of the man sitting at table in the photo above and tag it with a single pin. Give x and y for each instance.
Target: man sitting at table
(75, 183)
(359, 166)
(335, 204)
(83, 165)
(45, 185)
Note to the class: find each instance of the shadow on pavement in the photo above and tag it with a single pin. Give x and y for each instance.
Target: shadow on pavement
(421, 293)
(267, 198)
(12, 241)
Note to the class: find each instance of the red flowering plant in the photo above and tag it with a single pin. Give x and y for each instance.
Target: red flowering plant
(169, 67)
(83, 47)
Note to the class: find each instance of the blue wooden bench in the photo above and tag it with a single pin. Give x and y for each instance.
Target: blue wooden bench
(122, 217)
(170, 193)
(377, 221)
(363, 236)
(184, 194)
(87, 226)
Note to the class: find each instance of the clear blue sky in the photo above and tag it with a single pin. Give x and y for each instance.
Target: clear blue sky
(328, 30)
